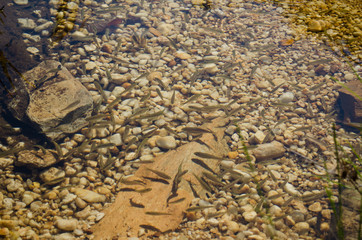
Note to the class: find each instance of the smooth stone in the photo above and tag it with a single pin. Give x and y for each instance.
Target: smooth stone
(89, 196)
(289, 188)
(21, 2)
(268, 151)
(167, 142)
(43, 26)
(182, 55)
(257, 138)
(302, 227)
(64, 236)
(66, 224)
(286, 97)
(315, 207)
(249, 216)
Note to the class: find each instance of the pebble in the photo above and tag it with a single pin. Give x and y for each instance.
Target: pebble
(90, 66)
(26, 23)
(89, 196)
(52, 174)
(268, 151)
(286, 97)
(315, 207)
(167, 142)
(289, 188)
(302, 227)
(21, 2)
(66, 224)
(116, 139)
(349, 76)
(64, 236)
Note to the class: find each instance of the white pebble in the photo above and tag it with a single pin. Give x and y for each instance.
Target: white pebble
(286, 97)
(167, 142)
(66, 224)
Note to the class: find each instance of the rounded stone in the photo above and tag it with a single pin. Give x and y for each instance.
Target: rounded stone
(167, 142)
(302, 227)
(66, 224)
(286, 97)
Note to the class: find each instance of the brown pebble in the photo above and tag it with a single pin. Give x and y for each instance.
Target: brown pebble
(107, 48)
(171, 63)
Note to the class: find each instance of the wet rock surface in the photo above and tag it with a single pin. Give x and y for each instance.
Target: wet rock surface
(167, 69)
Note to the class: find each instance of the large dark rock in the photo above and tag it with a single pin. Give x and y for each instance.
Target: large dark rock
(50, 99)
(350, 104)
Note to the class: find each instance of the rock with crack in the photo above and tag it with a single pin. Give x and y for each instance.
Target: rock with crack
(154, 202)
(49, 98)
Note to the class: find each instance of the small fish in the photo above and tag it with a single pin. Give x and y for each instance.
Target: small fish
(313, 196)
(59, 150)
(108, 74)
(161, 83)
(132, 182)
(140, 146)
(97, 117)
(41, 148)
(178, 69)
(134, 204)
(156, 114)
(150, 227)
(159, 93)
(100, 90)
(254, 101)
(203, 183)
(160, 180)
(105, 145)
(177, 201)
(157, 213)
(146, 161)
(207, 155)
(214, 30)
(146, 96)
(288, 201)
(193, 190)
(192, 209)
(315, 87)
(320, 61)
(212, 177)
(192, 98)
(130, 143)
(173, 97)
(202, 164)
(196, 130)
(276, 88)
(159, 173)
(143, 190)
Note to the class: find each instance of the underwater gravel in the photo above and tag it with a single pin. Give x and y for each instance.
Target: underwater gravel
(192, 64)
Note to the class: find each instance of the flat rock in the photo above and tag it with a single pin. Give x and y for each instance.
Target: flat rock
(52, 175)
(89, 196)
(268, 151)
(35, 159)
(124, 220)
(52, 100)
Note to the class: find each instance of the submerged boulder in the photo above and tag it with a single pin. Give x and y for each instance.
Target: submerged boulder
(50, 99)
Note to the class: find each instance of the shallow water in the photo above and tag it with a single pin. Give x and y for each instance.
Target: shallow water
(151, 77)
